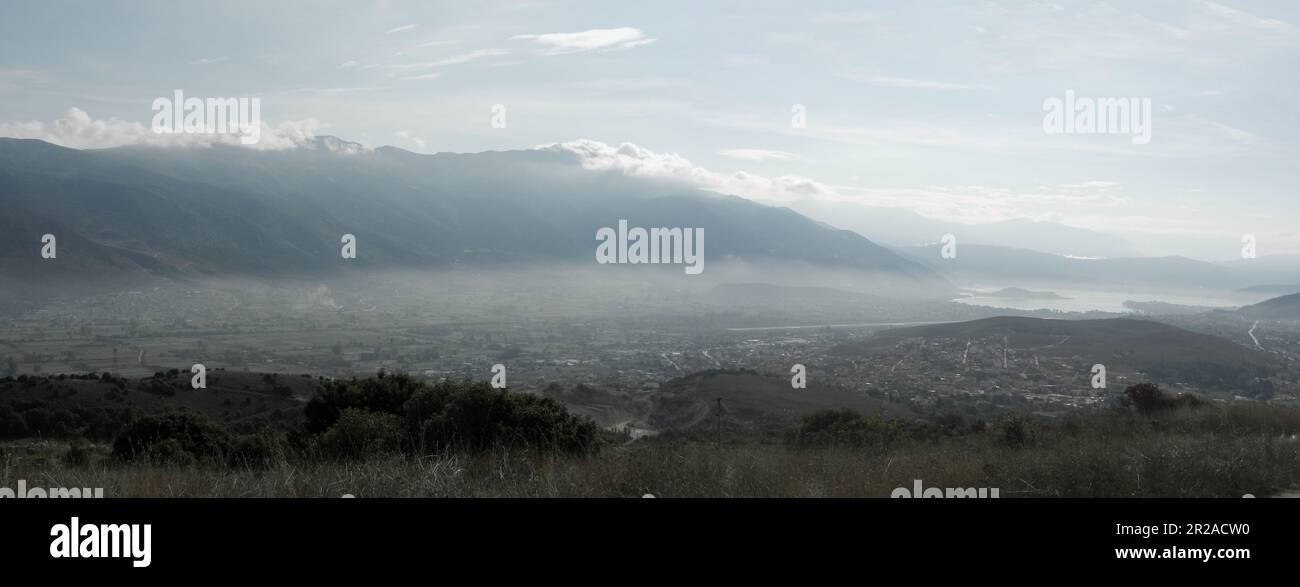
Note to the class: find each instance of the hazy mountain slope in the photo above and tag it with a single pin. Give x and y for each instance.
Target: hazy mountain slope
(1285, 307)
(1267, 269)
(216, 210)
(901, 227)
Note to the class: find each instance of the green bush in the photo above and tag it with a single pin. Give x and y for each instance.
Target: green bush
(382, 393)
(260, 450)
(1014, 431)
(12, 424)
(360, 433)
(175, 438)
(169, 452)
(78, 454)
(454, 415)
(846, 427)
(1148, 398)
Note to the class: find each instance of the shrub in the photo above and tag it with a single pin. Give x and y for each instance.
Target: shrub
(260, 450)
(78, 454)
(1148, 398)
(383, 393)
(12, 424)
(846, 427)
(461, 415)
(176, 437)
(1013, 431)
(474, 416)
(360, 433)
(169, 452)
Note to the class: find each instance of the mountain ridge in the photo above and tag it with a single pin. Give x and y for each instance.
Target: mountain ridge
(218, 209)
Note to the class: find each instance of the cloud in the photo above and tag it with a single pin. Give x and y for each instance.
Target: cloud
(585, 41)
(437, 43)
(78, 130)
(401, 29)
(207, 61)
(348, 64)
(914, 83)
(633, 160)
(417, 141)
(758, 155)
(453, 60)
(956, 203)
(434, 75)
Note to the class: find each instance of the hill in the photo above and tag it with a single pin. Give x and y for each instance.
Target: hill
(752, 401)
(1285, 307)
(97, 406)
(752, 404)
(903, 227)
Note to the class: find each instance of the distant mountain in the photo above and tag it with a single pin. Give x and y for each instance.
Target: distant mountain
(1267, 270)
(901, 227)
(1166, 353)
(1158, 308)
(1271, 288)
(137, 212)
(1280, 308)
(976, 264)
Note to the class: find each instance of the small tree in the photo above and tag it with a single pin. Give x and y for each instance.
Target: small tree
(1148, 398)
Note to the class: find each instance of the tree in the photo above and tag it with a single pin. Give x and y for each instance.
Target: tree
(1148, 398)
(12, 424)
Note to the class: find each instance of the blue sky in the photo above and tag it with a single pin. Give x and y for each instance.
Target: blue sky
(932, 106)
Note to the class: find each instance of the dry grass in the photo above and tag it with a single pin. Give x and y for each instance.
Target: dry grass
(1084, 464)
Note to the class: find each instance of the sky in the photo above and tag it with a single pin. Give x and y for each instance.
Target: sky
(933, 106)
